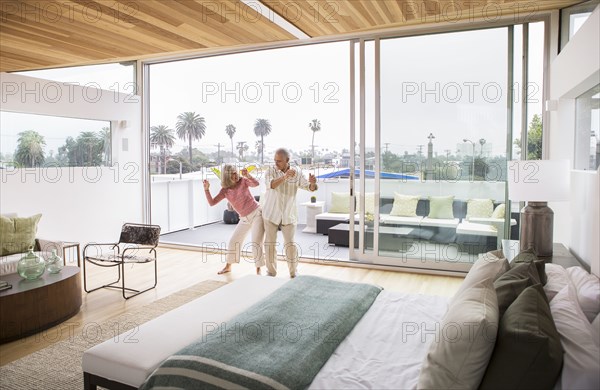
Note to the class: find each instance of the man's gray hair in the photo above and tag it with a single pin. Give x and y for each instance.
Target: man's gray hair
(284, 152)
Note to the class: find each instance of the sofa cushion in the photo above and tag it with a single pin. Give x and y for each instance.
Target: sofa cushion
(333, 217)
(499, 211)
(395, 220)
(440, 207)
(369, 202)
(404, 205)
(17, 234)
(479, 208)
(340, 203)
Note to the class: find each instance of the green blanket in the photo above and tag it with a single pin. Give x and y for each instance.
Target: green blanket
(279, 343)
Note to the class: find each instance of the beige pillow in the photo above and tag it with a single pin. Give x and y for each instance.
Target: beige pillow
(369, 202)
(479, 208)
(340, 203)
(499, 211)
(440, 207)
(17, 234)
(459, 356)
(490, 265)
(404, 205)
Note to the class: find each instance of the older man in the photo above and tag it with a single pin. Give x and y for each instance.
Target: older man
(279, 209)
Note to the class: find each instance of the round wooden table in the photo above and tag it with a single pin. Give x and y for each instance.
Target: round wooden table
(31, 306)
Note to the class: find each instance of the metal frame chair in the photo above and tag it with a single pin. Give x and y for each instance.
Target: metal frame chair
(134, 240)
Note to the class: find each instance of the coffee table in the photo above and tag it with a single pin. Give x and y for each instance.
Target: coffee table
(388, 237)
(31, 306)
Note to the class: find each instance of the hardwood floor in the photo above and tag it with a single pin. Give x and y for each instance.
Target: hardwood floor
(179, 269)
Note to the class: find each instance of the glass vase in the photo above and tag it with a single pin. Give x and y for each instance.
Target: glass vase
(31, 266)
(54, 263)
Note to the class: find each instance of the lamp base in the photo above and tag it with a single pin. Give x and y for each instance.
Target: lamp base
(537, 221)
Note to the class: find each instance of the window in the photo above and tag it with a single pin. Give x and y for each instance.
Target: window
(29, 140)
(572, 18)
(587, 130)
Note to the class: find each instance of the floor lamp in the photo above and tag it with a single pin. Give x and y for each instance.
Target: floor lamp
(537, 182)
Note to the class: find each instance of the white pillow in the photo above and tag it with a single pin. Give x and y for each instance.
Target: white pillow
(558, 278)
(596, 330)
(499, 211)
(587, 287)
(369, 202)
(340, 203)
(405, 205)
(458, 357)
(479, 208)
(580, 363)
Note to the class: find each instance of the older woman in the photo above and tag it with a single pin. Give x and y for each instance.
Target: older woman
(236, 190)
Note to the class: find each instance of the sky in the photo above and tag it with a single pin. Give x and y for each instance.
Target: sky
(451, 85)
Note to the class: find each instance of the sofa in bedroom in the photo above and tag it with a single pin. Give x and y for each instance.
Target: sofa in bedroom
(518, 324)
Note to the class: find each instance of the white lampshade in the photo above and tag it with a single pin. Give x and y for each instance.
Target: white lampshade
(538, 180)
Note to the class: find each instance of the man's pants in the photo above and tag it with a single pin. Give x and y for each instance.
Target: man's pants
(291, 252)
(251, 222)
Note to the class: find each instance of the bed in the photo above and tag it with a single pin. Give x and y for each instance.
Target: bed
(402, 341)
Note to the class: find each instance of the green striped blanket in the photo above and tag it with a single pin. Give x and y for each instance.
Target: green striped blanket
(279, 343)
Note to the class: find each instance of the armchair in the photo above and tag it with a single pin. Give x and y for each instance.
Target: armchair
(137, 245)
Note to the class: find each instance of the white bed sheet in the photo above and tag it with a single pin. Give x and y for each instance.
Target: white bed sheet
(386, 348)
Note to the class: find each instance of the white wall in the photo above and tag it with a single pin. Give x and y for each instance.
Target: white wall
(574, 71)
(77, 204)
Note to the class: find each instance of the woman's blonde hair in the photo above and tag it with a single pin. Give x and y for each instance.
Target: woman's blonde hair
(226, 180)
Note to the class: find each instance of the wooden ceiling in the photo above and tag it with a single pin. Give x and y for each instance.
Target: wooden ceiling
(36, 34)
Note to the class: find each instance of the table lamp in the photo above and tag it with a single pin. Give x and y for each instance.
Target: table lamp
(537, 182)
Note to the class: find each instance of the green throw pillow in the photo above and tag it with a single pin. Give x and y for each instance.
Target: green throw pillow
(528, 256)
(499, 211)
(17, 234)
(440, 207)
(340, 203)
(479, 208)
(512, 283)
(528, 352)
(404, 205)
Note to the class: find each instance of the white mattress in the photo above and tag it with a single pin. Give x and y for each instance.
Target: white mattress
(385, 349)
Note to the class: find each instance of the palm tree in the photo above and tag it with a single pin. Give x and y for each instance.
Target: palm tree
(106, 145)
(190, 126)
(262, 128)
(30, 149)
(230, 130)
(242, 147)
(315, 125)
(162, 136)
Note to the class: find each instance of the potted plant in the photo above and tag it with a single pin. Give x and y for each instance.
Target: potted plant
(313, 199)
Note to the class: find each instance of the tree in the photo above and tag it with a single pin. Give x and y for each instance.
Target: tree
(242, 147)
(230, 130)
(534, 139)
(164, 138)
(190, 126)
(314, 125)
(262, 128)
(30, 149)
(106, 145)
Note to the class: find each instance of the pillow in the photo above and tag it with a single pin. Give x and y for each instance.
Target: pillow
(459, 356)
(489, 265)
(528, 352)
(580, 369)
(499, 211)
(440, 207)
(340, 203)
(528, 256)
(513, 282)
(596, 330)
(404, 205)
(557, 280)
(587, 287)
(479, 208)
(17, 234)
(369, 202)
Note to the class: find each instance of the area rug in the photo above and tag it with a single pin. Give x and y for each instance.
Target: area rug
(59, 365)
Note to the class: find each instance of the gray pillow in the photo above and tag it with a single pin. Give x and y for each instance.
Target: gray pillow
(528, 353)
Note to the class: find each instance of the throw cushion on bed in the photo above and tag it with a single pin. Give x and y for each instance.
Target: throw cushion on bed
(490, 265)
(580, 368)
(17, 234)
(499, 211)
(527, 256)
(528, 353)
(440, 207)
(557, 279)
(596, 330)
(340, 203)
(587, 287)
(479, 208)
(513, 282)
(404, 205)
(459, 355)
